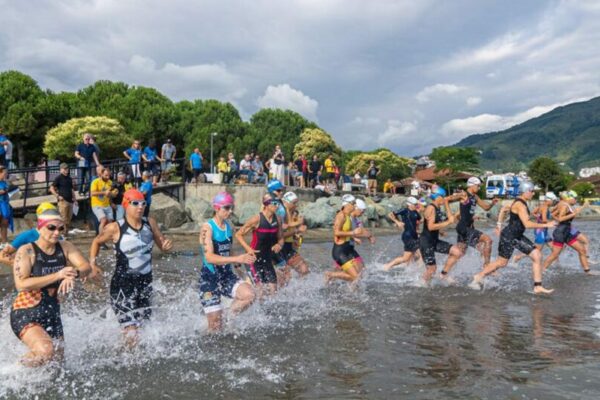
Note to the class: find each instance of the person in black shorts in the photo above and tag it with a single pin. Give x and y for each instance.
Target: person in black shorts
(409, 221)
(314, 168)
(512, 237)
(267, 240)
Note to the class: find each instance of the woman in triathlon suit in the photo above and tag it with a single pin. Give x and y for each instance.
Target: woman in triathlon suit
(542, 214)
(343, 251)
(562, 235)
(409, 221)
(217, 277)
(513, 237)
(41, 274)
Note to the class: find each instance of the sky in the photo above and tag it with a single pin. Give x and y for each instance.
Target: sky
(403, 74)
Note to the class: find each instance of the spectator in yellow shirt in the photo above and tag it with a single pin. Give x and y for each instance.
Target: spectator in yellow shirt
(101, 191)
(329, 169)
(389, 187)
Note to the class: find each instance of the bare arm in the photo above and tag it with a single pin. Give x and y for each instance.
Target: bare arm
(430, 219)
(485, 205)
(110, 232)
(161, 241)
(398, 223)
(96, 159)
(338, 223)
(248, 227)
(527, 222)
(22, 272)
(126, 155)
(77, 259)
(562, 215)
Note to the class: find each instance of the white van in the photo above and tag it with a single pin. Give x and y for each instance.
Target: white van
(502, 186)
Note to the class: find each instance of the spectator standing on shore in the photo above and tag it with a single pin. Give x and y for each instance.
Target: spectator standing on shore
(87, 157)
(222, 169)
(196, 164)
(152, 160)
(5, 208)
(100, 194)
(302, 167)
(246, 168)
(146, 189)
(278, 164)
(119, 188)
(63, 189)
(134, 155)
(167, 153)
(3, 140)
(372, 174)
(259, 170)
(232, 166)
(389, 187)
(314, 169)
(329, 169)
(9, 154)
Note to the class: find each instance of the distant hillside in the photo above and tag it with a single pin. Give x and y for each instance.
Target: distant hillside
(569, 134)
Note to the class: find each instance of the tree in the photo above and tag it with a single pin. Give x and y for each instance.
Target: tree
(455, 159)
(62, 140)
(391, 165)
(584, 189)
(547, 173)
(317, 142)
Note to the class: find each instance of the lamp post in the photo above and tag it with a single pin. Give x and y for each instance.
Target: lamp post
(212, 164)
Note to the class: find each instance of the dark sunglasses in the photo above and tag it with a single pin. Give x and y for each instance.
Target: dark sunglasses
(52, 228)
(227, 208)
(138, 203)
(271, 203)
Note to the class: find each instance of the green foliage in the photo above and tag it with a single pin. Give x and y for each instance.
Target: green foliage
(391, 165)
(566, 134)
(62, 140)
(547, 173)
(316, 141)
(584, 189)
(455, 159)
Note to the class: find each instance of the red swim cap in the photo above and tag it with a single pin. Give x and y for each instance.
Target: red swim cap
(130, 195)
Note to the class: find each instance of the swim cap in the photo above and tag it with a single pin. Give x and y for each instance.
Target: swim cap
(269, 199)
(551, 196)
(44, 207)
(131, 195)
(274, 185)
(348, 199)
(222, 199)
(473, 181)
(436, 192)
(412, 200)
(568, 194)
(290, 197)
(361, 205)
(526, 186)
(47, 217)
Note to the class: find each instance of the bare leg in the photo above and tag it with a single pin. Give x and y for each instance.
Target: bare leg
(350, 274)
(215, 321)
(456, 253)
(131, 336)
(500, 262)
(4, 230)
(404, 258)
(580, 249)
(536, 257)
(429, 271)
(299, 265)
(552, 257)
(485, 248)
(284, 275)
(244, 297)
(41, 347)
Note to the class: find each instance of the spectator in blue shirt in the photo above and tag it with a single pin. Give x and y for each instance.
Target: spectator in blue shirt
(87, 158)
(196, 163)
(134, 155)
(3, 142)
(6, 216)
(146, 189)
(152, 160)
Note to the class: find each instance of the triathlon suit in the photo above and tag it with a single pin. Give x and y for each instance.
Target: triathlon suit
(466, 232)
(562, 234)
(429, 241)
(512, 236)
(288, 251)
(541, 234)
(410, 237)
(217, 280)
(281, 259)
(344, 254)
(263, 239)
(40, 306)
(131, 284)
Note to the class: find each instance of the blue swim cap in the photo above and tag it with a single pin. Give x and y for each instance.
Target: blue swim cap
(438, 192)
(274, 185)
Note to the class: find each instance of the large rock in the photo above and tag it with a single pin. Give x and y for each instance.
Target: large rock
(198, 210)
(371, 213)
(167, 211)
(318, 215)
(246, 211)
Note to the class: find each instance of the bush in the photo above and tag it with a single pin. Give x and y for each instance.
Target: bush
(319, 142)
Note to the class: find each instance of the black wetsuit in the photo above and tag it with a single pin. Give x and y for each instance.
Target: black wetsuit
(40, 307)
(410, 236)
(263, 239)
(512, 236)
(430, 242)
(562, 234)
(466, 232)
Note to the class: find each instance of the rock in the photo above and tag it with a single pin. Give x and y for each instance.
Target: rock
(589, 212)
(383, 223)
(246, 211)
(335, 202)
(381, 210)
(167, 211)
(188, 227)
(198, 210)
(318, 215)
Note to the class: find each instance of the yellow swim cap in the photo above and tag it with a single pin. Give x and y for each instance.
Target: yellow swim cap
(44, 207)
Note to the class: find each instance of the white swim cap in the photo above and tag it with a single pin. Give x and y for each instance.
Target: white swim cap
(473, 181)
(526, 187)
(361, 205)
(412, 200)
(551, 196)
(290, 197)
(348, 199)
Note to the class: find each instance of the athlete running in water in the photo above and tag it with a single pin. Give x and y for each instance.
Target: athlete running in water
(513, 236)
(284, 273)
(41, 273)
(429, 242)
(467, 235)
(293, 226)
(343, 251)
(217, 277)
(409, 221)
(267, 240)
(131, 285)
(562, 235)
(542, 214)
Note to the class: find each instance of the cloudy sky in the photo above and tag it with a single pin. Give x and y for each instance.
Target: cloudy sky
(404, 74)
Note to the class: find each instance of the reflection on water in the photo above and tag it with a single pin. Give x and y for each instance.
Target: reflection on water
(387, 339)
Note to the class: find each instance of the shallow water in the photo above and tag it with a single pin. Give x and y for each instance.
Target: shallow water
(387, 339)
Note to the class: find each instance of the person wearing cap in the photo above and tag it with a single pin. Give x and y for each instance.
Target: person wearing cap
(63, 189)
(101, 191)
(292, 228)
(343, 252)
(466, 233)
(267, 240)
(359, 210)
(434, 220)
(542, 214)
(42, 270)
(146, 188)
(563, 235)
(407, 219)
(217, 277)
(119, 188)
(513, 237)
(167, 153)
(131, 286)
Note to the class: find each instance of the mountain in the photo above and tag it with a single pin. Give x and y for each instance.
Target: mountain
(569, 134)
